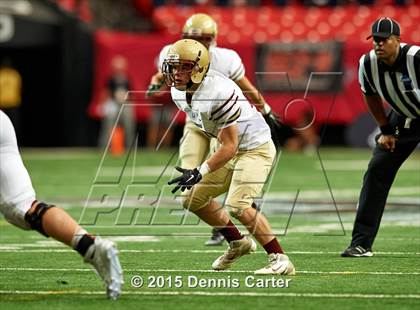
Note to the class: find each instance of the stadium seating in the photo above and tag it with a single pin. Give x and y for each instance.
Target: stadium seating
(293, 23)
(243, 28)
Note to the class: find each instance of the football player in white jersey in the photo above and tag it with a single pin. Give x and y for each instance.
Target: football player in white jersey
(240, 164)
(19, 206)
(202, 28)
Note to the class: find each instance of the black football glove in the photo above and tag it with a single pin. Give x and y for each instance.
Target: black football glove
(152, 89)
(188, 178)
(273, 120)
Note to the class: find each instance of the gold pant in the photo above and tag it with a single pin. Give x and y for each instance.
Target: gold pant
(243, 178)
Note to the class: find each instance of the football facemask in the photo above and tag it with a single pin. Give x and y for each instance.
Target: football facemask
(177, 73)
(186, 63)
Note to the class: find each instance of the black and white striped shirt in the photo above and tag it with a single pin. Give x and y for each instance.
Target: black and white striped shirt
(398, 85)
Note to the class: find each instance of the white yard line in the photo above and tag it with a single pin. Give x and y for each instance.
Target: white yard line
(10, 248)
(342, 193)
(144, 171)
(14, 269)
(356, 165)
(332, 165)
(308, 200)
(211, 294)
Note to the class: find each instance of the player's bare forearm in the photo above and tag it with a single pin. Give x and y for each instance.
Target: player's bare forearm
(251, 93)
(387, 140)
(156, 86)
(271, 118)
(227, 150)
(221, 157)
(376, 108)
(157, 78)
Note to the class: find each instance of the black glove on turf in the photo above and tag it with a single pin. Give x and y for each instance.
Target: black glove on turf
(188, 178)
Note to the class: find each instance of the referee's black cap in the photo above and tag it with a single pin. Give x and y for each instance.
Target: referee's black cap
(384, 28)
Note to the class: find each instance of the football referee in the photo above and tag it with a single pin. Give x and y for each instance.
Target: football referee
(389, 72)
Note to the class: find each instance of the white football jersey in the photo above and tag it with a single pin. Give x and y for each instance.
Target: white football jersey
(223, 60)
(219, 103)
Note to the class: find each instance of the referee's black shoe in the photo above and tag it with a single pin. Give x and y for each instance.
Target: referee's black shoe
(357, 251)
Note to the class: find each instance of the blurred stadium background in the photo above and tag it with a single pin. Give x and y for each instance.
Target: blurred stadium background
(63, 51)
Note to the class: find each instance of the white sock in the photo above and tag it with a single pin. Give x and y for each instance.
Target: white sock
(76, 237)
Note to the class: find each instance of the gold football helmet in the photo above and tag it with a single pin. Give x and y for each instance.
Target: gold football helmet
(187, 62)
(200, 27)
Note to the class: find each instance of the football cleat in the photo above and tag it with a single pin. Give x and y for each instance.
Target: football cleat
(357, 251)
(277, 264)
(103, 256)
(216, 238)
(236, 249)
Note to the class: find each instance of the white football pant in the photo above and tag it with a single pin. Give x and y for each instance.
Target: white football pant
(16, 191)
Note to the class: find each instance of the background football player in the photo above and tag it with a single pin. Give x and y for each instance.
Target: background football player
(203, 28)
(19, 206)
(240, 164)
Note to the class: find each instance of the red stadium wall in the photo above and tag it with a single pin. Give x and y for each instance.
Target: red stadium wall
(141, 52)
(242, 29)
